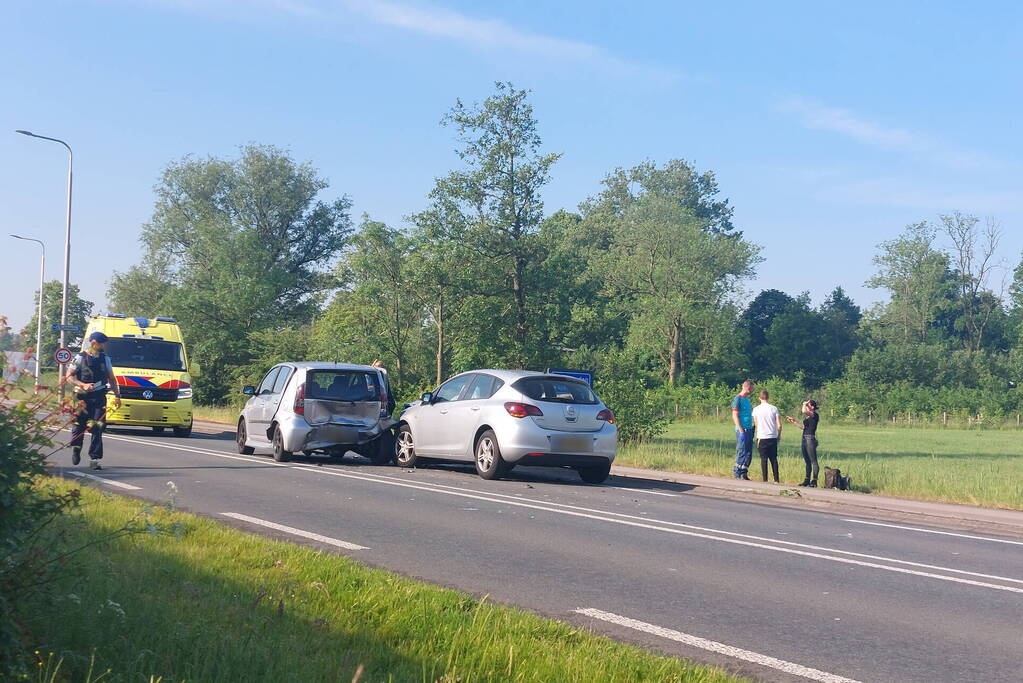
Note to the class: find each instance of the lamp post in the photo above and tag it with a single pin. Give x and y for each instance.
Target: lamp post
(39, 315)
(67, 247)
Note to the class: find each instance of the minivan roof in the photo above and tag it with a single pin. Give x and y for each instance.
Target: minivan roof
(323, 365)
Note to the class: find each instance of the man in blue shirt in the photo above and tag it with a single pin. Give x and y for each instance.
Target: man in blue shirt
(742, 416)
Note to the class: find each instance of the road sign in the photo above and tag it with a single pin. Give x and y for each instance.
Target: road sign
(584, 375)
(63, 355)
(66, 328)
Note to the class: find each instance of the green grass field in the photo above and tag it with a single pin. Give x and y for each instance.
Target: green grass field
(211, 603)
(975, 466)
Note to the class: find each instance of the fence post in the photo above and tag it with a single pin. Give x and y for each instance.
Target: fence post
(1017, 419)
(717, 411)
(944, 419)
(870, 416)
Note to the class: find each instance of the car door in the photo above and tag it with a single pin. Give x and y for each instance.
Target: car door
(433, 423)
(255, 407)
(464, 415)
(272, 401)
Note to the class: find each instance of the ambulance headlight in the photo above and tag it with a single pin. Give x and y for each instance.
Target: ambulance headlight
(185, 393)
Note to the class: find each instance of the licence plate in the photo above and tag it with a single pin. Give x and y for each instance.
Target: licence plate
(138, 412)
(572, 443)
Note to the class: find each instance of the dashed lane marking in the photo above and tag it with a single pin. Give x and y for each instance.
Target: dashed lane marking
(295, 532)
(714, 646)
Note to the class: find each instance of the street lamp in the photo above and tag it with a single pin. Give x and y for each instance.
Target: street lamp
(67, 247)
(39, 315)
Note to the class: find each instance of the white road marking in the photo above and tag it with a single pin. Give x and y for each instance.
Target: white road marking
(714, 646)
(933, 531)
(652, 493)
(296, 532)
(111, 482)
(623, 519)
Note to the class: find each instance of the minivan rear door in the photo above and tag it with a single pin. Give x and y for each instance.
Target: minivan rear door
(347, 397)
(568, 405)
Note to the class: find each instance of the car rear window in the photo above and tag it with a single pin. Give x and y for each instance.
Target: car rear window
(556, 390)
(342, 385)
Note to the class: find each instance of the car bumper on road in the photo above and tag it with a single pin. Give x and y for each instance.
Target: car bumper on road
(527, 445)
(305, 437)
(151, 413)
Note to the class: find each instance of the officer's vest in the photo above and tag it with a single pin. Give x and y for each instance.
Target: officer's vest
(93, 369)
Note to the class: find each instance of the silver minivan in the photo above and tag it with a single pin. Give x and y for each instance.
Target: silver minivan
(329, 408)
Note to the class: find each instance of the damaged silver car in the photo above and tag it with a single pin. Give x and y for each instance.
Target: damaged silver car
(325, 408)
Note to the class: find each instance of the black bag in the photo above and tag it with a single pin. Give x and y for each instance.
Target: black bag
(833, 479)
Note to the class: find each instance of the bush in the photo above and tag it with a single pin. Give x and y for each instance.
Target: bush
(26, 507)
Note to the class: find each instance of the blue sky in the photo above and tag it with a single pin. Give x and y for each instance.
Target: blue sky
(830, 126)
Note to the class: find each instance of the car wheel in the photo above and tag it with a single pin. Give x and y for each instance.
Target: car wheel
(241, 435)
(595, 475)
(280, 455)
(489, 463)
(183, 432)
(381, 450)
(405, 448)
(159, 430)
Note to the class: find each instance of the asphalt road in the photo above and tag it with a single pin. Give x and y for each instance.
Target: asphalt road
(773, 593)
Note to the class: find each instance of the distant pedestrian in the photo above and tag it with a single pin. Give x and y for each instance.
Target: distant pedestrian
(767, 421)
(809, 441)
(92, 376)
(742, 416)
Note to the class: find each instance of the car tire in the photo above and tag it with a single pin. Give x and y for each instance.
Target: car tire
(381, 450)
(405, 448)
(280, 455)
(241, 435)
(487, 457)
(183, 432)
(159, 430)
(595, 475)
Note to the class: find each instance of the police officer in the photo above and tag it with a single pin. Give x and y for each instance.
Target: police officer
(92, 375)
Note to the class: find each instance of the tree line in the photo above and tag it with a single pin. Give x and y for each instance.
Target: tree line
(644, 283)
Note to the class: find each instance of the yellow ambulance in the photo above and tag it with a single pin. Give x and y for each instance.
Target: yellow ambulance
(152, 372)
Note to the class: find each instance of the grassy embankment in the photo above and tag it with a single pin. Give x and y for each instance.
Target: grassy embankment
(976, 466)
(215, 604)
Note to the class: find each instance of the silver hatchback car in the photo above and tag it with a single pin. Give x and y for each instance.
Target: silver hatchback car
(502, 418)
(328, 408)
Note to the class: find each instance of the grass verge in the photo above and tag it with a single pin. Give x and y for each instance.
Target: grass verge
(211, 603)
(973, 466)
(221, 414)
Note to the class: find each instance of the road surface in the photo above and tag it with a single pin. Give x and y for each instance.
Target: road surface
(769, 592)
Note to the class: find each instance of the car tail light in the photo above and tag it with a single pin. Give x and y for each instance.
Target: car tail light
(300, 399)
(607, 416)
(383, 399)
(522, 409)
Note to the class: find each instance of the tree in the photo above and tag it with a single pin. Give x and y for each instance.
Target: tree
(78, 311)
(794, 344)
(842, 319)
(672, 277)
(235, 247)
(498, 195)
(973, 251)
(756, 320)
(697, 192)
(917, 276)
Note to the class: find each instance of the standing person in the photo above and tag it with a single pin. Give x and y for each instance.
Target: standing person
(809, 441)
(742, 416)
(92, 375)
(767, 421)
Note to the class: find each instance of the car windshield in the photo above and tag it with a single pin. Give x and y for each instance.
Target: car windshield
(342, 385)
(556, 390)
(145, 353)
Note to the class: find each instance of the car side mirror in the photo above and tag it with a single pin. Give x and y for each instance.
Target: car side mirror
(194, 370)
(249, 390)
(426, 398)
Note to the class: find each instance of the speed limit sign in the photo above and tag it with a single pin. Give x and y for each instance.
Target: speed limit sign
(62, 355)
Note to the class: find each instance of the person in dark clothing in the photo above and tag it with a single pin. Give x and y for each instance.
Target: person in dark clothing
(92, 376)
(809, 440)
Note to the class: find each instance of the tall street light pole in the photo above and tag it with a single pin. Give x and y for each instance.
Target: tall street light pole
(67, 247)
(39, 314)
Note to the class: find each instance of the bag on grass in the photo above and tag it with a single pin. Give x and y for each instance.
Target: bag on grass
(833, 479)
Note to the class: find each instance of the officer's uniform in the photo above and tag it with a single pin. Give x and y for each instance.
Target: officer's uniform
(96, 369)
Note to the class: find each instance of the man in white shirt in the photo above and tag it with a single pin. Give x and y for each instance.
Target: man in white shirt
(767, 421)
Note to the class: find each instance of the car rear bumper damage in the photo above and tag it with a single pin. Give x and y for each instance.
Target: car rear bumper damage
(330, 435)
